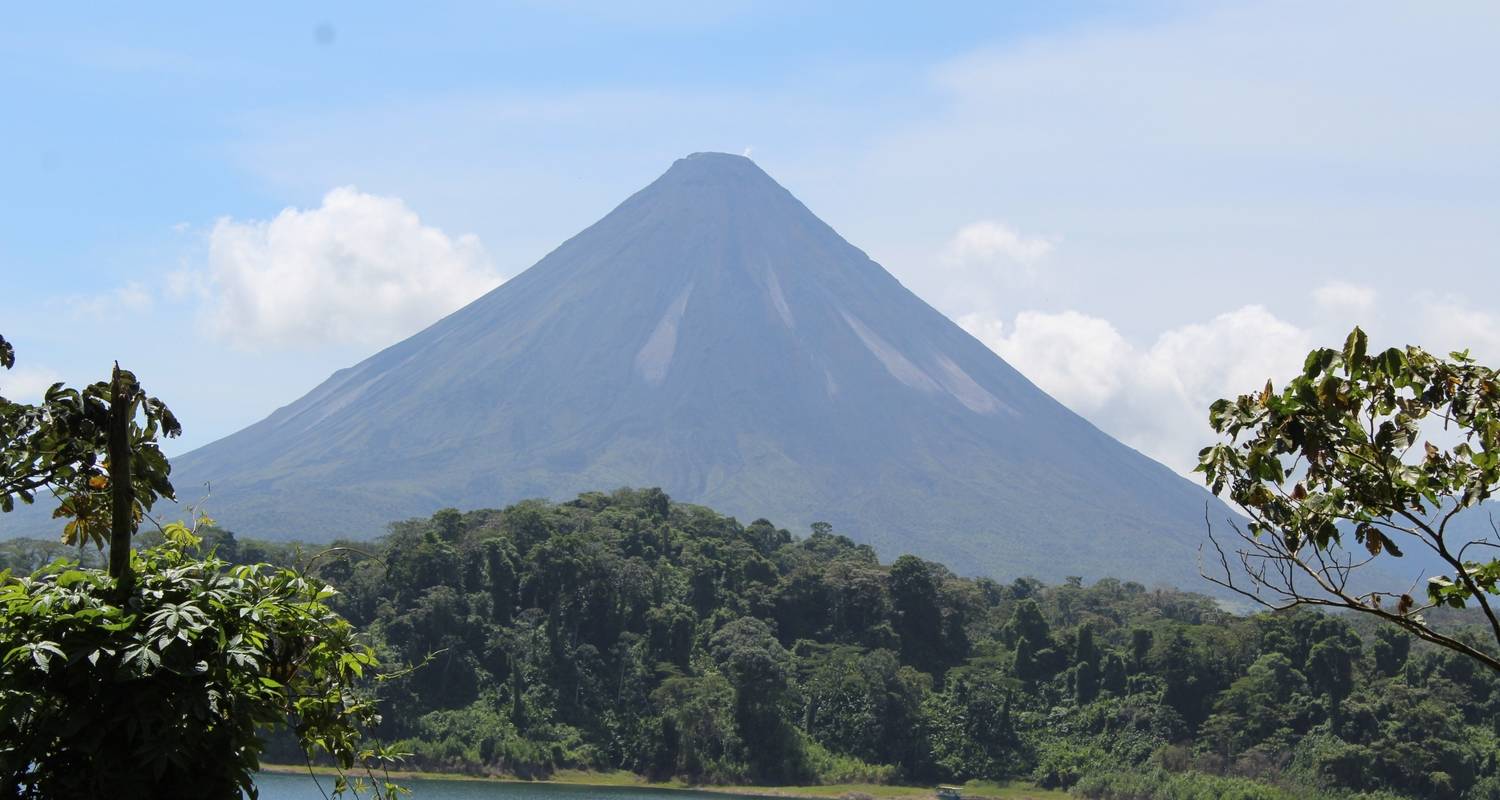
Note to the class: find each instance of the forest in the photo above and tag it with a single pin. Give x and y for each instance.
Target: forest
(627, 631)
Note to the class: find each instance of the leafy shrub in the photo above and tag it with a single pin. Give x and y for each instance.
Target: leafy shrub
(1060, 763)
(166, 691)
(830, 768)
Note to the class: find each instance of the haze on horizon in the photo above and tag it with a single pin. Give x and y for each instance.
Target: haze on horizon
(1142, 208)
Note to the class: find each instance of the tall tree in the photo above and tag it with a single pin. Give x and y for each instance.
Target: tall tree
(758, 667)
(1391, 649)
(1027, 622)
(919, 618)
(1084, 650)
(1112, 679)
(1086, 680)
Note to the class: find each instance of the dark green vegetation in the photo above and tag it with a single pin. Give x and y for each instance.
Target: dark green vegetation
(713, 337)
(1335, 456)
(169, 691)
(626, 631)
(159, 676)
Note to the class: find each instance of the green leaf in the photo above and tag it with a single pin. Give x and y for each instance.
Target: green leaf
(1317, 361)
(1355, 347)
(1392, 362)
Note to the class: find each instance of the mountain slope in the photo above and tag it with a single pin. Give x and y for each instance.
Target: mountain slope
(713, 337)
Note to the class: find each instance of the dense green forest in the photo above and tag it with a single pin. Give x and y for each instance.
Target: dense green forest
(627, 631)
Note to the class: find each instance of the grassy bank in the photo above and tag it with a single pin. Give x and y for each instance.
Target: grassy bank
(979, 790)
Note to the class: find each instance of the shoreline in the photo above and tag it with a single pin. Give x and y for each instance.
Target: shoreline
(628, 780)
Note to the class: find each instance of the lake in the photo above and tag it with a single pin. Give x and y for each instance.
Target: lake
(301, 787)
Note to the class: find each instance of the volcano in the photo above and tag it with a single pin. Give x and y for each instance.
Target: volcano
(712, 337)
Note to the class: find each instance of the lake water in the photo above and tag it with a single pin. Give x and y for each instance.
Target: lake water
(302, 787)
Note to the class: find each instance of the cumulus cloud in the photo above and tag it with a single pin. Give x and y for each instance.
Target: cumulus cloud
(1232, 353)
(987, 241)
(996, 250)
(1341, 296)
(360, 268)
(1078, 359)
(1153, 398)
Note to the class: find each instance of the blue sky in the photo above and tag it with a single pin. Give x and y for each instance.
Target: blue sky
(1143, 206)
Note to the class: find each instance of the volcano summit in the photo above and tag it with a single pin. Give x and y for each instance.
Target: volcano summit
(713, 337)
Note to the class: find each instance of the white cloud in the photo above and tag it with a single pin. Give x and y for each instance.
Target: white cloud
(1453, 325)
(1078, 359)
(360, 268)
(1232, 353)
(983, 258)
(988, 242)
(1156, 398)
(1342, 296)
(26, 384)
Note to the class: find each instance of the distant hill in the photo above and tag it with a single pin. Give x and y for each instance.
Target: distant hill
(713, 337)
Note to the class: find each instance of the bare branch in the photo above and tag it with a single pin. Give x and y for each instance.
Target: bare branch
(1329, 575)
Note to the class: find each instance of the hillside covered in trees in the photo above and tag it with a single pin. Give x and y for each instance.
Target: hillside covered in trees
(625, 631)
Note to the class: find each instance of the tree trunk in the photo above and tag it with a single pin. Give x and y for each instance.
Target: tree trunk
(121, 488)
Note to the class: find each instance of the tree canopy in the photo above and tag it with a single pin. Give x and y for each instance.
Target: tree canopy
(625, 631)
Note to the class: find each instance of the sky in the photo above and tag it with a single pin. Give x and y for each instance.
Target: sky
(1142, 206)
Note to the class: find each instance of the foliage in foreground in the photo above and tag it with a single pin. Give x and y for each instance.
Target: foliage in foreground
(624, 631)
(1335, 456)
(158, 676)
(167, 693)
